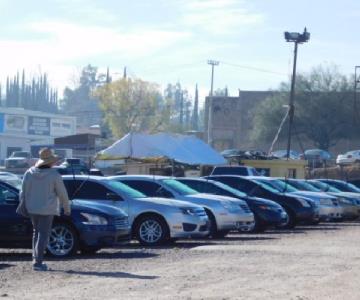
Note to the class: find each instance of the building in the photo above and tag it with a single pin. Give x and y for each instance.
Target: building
(20, 129)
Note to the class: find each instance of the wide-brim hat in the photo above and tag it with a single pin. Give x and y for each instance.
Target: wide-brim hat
(46, 157)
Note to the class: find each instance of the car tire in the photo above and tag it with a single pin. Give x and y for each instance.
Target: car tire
(63, 241)
(213, 226)
(151, 230)
(220, 234)
(291, 221)
(89, 250)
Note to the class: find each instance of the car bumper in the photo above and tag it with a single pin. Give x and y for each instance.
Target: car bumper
(350, 211)
(189, 227)
(235, 221)
(328, 213)
(104, 236)
(271, 217)
(307, 214)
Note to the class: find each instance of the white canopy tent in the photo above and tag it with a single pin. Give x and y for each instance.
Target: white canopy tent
(180, 148)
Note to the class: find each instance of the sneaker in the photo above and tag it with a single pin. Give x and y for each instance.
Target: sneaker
(40, 267)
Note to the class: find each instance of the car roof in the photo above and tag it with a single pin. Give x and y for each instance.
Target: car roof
(84, 177)
(153, 177)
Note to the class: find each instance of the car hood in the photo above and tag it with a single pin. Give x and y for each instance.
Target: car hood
(262, 201)
(313, 195)
(216, 198)
(346, 195)
(84, 205)
(16, 158)
(170, 202)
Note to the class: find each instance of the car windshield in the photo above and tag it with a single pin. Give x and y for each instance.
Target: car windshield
(179, 187)
(230, 189)
(324, 187)
(304, 186)
(266, 186)
(281, 186)
(344, 186)
(125, 189)
(20, 154)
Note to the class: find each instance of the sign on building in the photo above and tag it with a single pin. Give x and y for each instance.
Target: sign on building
(39, 126)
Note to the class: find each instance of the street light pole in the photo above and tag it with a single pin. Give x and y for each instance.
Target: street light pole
(210, 137)
(296, 38)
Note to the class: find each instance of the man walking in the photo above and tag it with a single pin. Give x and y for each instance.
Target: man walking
(42, 188)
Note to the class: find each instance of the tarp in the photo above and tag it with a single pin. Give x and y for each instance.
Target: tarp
(180, 148)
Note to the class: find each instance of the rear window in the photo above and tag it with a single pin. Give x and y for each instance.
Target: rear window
(230, 171)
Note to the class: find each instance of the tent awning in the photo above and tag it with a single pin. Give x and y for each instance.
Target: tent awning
(180, 148)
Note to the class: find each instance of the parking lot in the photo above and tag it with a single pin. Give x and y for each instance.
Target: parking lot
(310, 262)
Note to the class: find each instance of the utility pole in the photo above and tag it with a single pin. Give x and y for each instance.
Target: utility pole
(296, 38)
(356, 89)
(210, 137)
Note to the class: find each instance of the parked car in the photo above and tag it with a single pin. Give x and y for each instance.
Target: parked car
(297, 208)
(234, 170)
(267, 213)
(342, 185)
(154, 221)
(328, 205)
(349, 201)
(11, 179)
(90, 227)
(283, 154)
(20, 159)
(316, 157)
(225, 213)
(349, 157)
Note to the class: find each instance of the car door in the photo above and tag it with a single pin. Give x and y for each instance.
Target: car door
(15, 230)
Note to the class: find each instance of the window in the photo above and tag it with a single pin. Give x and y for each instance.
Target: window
(150, 189)
(6, 193)
(125, 189)
(81, 189)
(179, 187)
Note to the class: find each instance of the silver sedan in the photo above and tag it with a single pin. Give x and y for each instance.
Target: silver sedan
(225, 213)
(154, 221)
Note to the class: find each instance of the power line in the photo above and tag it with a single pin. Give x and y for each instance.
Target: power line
(253, 68)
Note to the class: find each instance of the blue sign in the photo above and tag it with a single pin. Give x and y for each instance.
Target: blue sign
(2, 122)
(39, 126)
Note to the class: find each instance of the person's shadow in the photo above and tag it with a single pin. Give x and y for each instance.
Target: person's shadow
(107, 274)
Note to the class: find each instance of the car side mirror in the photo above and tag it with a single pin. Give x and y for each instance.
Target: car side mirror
(113, 196)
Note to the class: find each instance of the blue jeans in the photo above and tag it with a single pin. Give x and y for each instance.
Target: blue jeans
(41, 233)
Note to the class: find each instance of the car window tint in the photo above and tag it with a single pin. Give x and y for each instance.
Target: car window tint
(5, 193)
(91, 190)
(150, 189)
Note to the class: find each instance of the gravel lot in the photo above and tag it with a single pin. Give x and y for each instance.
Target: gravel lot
(320, 262)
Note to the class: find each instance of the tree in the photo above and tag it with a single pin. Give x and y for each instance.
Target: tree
(133, 104)
(323, 109)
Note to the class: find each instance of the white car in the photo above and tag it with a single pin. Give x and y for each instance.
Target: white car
(348, 158)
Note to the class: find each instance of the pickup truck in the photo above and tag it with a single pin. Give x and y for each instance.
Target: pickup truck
(20, 159)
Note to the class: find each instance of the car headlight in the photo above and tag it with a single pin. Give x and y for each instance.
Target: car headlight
(93, 219)
(303, 202)
(327, 202)
(188, 211)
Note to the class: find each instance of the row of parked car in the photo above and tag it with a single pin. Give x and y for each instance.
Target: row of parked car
(154, 210)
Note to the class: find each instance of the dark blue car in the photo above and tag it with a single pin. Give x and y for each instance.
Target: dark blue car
(267, 213)
(90, 227)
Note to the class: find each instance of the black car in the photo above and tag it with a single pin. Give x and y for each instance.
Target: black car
(90, 227)
(267, 213)
(297, 208)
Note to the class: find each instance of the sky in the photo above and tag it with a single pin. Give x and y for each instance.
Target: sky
(166, 41)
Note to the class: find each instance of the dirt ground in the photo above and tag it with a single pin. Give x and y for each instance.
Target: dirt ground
(319, 262)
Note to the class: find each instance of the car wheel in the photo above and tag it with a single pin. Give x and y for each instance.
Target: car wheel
(63, 240)
(291, 220)
(88, 250)
(213, 227)
(220, 234)
(151, 230)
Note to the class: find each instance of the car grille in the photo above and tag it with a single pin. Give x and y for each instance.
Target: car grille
(121, 223)
(245, 208)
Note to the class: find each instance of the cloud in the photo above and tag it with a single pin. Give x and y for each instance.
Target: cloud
(219, 16)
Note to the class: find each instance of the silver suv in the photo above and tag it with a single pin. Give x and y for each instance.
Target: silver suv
(225, 213)
(154, 221)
